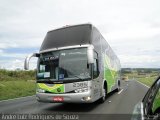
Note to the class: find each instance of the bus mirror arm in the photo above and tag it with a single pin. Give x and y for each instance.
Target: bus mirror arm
(26, 62)
(87, 65)
(90, 54)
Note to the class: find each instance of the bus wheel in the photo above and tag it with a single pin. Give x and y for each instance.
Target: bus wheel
(119, 86)
(103, 98)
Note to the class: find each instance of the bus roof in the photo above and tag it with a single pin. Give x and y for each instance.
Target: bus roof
(67, 36)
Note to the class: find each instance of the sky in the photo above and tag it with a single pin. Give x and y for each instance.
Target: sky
(131, 27)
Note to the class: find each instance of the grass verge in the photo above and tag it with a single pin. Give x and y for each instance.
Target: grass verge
(147, 81)
(15, 89)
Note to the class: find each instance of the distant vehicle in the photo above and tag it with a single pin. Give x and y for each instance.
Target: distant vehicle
(125, 78)
(149, 108)
(75, 65)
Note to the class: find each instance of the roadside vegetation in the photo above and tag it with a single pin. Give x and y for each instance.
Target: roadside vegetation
(144, 75)
(15, 84)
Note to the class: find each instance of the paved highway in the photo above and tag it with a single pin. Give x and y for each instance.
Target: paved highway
(118, 104)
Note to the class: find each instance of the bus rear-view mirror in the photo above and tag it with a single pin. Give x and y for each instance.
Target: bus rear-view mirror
(26, 62)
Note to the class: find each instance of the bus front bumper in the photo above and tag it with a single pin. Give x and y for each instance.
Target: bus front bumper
(84, 97)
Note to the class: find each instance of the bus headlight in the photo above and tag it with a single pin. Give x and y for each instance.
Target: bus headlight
(40, 90)
(86, 98)
(81, 90)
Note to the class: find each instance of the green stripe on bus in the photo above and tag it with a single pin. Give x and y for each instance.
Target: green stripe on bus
(55, 88)
(109, 73)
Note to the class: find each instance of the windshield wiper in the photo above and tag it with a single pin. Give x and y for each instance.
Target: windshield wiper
(77, 77)
(44, 80)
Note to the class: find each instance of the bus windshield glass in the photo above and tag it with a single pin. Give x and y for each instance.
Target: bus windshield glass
(70, 64)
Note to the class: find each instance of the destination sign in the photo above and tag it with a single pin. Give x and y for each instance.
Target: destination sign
(51, 58)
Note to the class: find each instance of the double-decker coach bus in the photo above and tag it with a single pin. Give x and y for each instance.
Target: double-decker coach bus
(75, 65)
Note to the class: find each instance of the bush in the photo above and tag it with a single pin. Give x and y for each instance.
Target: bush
(6, 75)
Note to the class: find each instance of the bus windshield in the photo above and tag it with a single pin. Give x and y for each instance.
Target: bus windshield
(70, 64)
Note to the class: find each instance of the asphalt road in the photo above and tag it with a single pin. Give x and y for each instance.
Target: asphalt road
(118, 104)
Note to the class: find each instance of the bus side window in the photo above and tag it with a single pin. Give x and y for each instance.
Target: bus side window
(95, 69)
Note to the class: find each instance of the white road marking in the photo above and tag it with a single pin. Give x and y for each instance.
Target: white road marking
(15, 98)
(120, 91)
(142, 84)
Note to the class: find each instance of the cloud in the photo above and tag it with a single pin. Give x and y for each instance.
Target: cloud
(132, 28)
(12, 64)
(139, 61)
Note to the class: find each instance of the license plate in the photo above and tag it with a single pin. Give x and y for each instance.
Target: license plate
(58, 99)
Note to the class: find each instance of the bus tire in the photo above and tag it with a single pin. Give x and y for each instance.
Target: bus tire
(119, 86)
(103, 98)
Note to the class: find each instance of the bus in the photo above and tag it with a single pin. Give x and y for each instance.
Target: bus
(75, 65)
